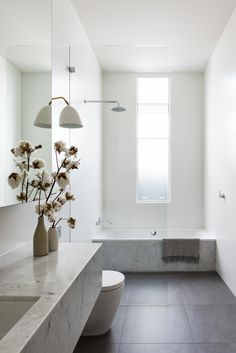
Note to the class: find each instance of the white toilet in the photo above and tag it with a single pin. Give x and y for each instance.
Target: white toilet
(108, 301)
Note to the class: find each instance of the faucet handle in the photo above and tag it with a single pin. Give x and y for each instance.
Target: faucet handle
(99, 222)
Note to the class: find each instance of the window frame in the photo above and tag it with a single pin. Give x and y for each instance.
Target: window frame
(155, 75)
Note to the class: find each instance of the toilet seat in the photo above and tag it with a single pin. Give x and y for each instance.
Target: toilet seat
(111, 280)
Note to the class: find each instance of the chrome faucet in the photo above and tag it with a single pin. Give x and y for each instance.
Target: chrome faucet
(100, 222)
(153, 233)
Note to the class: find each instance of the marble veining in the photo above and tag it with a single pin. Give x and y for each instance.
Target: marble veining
(67, 283)
(144, 255)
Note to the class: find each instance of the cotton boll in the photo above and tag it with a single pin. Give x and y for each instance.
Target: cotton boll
(21, 197)
(71, 222)
(56, 205)
(46, 179)
(60, 146)
(62, 200)
(69, 196)
(14, 180)
(63, 180)
(38, 164)
(73, 151)
(22, 165)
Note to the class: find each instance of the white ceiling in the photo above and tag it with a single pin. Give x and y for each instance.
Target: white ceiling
(189, 30)
(29, 58)
(25, 34)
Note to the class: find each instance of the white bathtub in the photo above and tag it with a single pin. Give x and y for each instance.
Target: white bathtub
(148, 234)
(137, 250)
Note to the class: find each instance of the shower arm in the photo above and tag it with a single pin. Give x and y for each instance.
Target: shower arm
(101, 101)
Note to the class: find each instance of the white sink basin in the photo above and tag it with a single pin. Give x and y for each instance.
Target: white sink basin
(12, 309)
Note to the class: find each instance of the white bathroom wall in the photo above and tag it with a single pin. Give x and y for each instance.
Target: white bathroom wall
(87, 183)
(2, 113)
(17, 223)
(71, 47)
(220, 151)
(186, 208)
(24, 23)
(11, 124)
(23, 97)
(36, 93)
(119, 155)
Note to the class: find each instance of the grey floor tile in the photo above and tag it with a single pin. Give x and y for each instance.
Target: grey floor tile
(148, 292)
(213, 323)
(114, 335)
(144, 323)
(157, 348)
(89, 347)
(156, 324)
(206, 289)
(175, 292)
(216, 348)
(129, 282)
(146, 289)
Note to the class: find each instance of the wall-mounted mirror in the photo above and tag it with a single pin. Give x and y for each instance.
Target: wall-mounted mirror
(25, 82)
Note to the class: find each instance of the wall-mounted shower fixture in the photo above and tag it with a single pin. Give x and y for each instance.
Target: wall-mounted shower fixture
(221, 195)
(71, 69)
(117, 108)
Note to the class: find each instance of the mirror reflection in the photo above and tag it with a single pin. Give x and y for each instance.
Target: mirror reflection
(25, 85)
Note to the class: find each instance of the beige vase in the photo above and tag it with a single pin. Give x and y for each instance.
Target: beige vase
(52, 239)
(40, 242)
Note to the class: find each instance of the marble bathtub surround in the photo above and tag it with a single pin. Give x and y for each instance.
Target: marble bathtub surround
(145, 255)
(67, 283)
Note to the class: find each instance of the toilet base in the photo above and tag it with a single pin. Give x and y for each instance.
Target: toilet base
(103, 312)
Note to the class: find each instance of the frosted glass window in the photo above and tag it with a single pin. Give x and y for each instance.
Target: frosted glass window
(153, 140)
(153, 126)
(153, 168)
(153, 90)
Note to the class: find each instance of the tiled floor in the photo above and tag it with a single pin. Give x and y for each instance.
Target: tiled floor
(170, 313)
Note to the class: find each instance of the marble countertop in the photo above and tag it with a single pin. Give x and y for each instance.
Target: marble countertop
(46, 277)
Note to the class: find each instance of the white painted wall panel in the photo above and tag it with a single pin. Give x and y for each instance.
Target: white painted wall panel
(119, 155)
(220, 151)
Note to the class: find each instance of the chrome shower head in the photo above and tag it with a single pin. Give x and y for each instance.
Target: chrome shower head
(118, 109)
(114, 109)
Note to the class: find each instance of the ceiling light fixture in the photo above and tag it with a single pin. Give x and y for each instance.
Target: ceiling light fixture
(69, 117)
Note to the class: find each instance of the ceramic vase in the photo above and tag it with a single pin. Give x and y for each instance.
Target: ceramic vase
(52, 239)
(40, 242)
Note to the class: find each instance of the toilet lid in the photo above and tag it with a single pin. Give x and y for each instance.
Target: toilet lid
(111, 280)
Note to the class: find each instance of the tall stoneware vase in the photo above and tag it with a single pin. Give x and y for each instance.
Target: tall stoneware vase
(40, 242)
(52, 239)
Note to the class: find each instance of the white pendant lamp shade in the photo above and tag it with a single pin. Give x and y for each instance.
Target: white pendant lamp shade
(44, 117)
(69, 118)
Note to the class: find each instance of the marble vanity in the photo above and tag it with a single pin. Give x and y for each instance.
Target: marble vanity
(57, 293)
